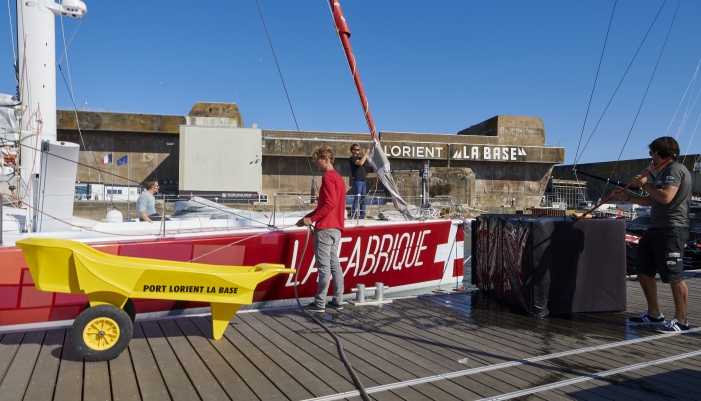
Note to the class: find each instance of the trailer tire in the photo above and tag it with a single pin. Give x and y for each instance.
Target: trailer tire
(129, 308)
(101, 333)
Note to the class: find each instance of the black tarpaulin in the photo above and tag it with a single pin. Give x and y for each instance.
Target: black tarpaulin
(551, 266)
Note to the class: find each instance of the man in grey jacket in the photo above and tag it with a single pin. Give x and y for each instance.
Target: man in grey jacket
(146, 203)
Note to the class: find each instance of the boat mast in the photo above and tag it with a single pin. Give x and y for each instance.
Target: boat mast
(378, 160)
(344, 34)
(36, 49)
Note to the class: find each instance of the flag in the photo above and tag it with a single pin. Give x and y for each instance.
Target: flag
(122, 160)
(107, 159)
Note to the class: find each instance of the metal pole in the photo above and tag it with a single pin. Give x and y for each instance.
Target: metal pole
(112, 197)
(2, 216)
(163, 216)
(274, 207)
(128, 186)
(311, 198)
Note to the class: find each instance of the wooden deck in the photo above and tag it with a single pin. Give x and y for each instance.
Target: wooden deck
(448, 347)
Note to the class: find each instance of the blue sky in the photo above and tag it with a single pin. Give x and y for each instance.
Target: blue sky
(429, 67)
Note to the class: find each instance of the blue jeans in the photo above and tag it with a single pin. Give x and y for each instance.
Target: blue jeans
(359, 188)
(327, 263)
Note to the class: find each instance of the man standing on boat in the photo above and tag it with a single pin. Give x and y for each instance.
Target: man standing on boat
(146, 203)
(661, 248)
(358, 174)
(329, 217)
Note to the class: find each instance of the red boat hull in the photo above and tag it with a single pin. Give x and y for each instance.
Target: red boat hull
(396, 255)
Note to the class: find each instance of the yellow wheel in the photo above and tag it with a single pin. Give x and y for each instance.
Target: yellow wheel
(101, 333)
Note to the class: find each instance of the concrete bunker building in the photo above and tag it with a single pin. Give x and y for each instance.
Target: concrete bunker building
(501, 162)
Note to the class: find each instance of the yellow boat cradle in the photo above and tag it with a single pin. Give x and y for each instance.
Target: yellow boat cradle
(103, 330)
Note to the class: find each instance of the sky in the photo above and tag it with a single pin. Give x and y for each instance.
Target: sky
(427, 67)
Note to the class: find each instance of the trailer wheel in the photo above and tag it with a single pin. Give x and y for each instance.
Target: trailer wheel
(101, 333)
(129, 308)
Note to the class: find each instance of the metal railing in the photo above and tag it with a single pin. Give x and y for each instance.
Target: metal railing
(423, 208)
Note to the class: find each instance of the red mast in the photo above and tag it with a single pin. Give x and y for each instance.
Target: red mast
(344, 34)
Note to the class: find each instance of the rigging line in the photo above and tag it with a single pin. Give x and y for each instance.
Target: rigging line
(227, 245)
(117, 234)
(69, 87)
(596, 78)
(682, 125)
(646, 90)
(67, 223)
(127, 179)
(137, 182)
(12, 34)
(100, 177)
(289, 102)
(82, 164)
(692, 138)
(37, 149)
(693, 79)
(233, 213)
(687, 113)
(621, 81)
(66, 46)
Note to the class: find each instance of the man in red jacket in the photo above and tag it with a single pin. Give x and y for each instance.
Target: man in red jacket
(329, 217)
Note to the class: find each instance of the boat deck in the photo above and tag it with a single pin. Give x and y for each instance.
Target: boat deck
(445, 347)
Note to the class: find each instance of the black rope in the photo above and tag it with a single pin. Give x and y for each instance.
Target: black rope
(339, 346)
(289, 102)
(646, 91)
(621, 81)
(596, 78)
(80, 132)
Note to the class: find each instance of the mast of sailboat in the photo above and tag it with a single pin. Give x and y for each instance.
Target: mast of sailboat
(344, 34)
(47, 167)
(378, 160)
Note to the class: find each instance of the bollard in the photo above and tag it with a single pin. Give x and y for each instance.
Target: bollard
(379, 299)
(360, 294)
(379, 292)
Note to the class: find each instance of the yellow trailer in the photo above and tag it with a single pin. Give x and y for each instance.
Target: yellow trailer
(103, 331)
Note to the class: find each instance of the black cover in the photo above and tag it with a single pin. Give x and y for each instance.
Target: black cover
(551, 266)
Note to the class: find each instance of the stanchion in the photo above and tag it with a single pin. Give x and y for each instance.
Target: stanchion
(163, 217)
(2, 216)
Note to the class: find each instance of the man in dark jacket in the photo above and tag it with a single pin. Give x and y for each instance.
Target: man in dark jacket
(358, 175)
